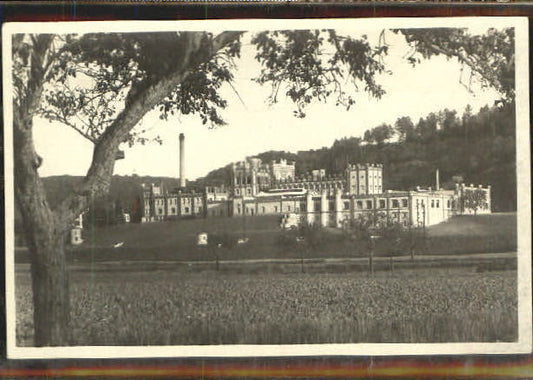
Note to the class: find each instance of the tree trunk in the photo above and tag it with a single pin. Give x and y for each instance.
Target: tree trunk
(50, 286)
(45, 238)
(46, 229)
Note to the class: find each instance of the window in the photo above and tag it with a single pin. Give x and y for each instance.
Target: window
(369, 204)
(382, 203)
(395, 203)
(432, 203)
(187, 210)
(346, 205)
(448, 204)
(275, 208)
(200, 209)
(360, 204)
(249, 191)
(331, 206)
(263, 209)
(317, 205)
(303, 206)
(160, 211)
(173, 210)
(288, 208)
(404, 202)
(438, 204)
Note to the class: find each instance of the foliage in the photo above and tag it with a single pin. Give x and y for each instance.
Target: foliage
(297, 62)
(404, 128)
(117, 66)
(474, 199)
(379, 134)
(379, 233)
(489, 57)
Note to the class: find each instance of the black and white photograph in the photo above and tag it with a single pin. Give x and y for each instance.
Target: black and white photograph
(267, 187)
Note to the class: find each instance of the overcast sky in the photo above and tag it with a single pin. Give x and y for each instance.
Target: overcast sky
(254, 127)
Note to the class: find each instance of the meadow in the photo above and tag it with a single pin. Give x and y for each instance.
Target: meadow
(183, 307)
(176, 240)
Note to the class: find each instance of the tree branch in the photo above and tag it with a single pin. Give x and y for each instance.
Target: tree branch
(141, 100)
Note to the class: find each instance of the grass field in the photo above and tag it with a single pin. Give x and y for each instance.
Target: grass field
(176, 241)
(473, 234)
(477, 226)
(180, 308)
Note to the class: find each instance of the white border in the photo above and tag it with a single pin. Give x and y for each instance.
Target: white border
(524, 344)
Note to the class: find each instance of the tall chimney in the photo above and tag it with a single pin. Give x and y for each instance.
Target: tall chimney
(182, 160)
(437, 182)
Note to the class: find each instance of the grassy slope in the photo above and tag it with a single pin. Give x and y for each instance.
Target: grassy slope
(177, 240)
(480, 225)
(481, 233)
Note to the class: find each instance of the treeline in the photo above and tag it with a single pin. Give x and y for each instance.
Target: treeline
(480, 148)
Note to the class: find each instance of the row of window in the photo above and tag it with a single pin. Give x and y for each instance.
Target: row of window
(263, 210)
(362, 176)
(248, 191)
(174, 201)
(186, 210)
(346, 206)
(435, 203)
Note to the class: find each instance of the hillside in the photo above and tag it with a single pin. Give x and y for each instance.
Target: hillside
(479, 148)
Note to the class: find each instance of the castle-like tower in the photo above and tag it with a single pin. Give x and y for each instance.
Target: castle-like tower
(364, 179)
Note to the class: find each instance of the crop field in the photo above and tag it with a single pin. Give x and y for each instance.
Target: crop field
(182, 308)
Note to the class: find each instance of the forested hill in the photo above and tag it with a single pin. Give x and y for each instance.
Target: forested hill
(479, 148)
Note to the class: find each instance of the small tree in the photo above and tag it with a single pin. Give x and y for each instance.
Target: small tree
(474, 199)
(310, 237)
(223, 241)
(361, 232)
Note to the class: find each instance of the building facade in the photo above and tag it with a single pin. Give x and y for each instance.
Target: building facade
(256, 188)
(159, 204)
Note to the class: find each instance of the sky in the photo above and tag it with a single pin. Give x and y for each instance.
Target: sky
(253, 126)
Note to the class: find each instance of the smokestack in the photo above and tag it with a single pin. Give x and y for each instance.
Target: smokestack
(437, 182)
(182, 160)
